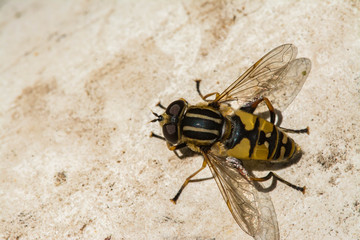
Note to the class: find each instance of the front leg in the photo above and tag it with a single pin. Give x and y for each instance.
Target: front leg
(170, 147)
(207, 95)
(188, 179)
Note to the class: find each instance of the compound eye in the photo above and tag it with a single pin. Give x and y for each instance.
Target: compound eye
(170, 133)
(175, 108)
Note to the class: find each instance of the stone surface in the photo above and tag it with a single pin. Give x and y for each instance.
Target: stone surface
(78, 80)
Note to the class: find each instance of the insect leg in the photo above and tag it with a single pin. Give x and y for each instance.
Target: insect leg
(207, 95)
(198, 88)
(274, 175)
(160, 106)
(252, 106)
(187, 181)
(305, 130)
(157, 136)
(172, 148)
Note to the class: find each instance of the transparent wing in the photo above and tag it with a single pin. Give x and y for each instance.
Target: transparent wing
(289, 83)
(252, 210)
(277, 75)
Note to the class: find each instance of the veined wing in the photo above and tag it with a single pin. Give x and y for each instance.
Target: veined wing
(252, 210)
(289, 83)
(277, 75)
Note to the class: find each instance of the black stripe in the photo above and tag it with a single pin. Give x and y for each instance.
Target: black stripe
(206, 112)
(272, 141)
(288, 147)
(278, 147)
(200, 135)
(253, 136)
(237, 132)
(201, 123)
(262, 138)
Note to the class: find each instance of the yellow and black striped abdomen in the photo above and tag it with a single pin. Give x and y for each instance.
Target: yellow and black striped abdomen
(255, 138)
(202, 126)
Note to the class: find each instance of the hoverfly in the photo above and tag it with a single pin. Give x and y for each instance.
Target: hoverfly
(226, 136)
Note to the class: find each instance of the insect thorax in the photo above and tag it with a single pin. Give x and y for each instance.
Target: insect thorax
(202, 125)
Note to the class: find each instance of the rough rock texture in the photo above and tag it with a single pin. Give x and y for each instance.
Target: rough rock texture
(78, 80)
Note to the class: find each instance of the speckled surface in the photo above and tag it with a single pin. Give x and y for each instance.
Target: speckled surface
(78, 81)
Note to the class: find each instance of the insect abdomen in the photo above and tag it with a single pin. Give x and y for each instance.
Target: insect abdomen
(285, 148)
(255, 138)
(202, 125)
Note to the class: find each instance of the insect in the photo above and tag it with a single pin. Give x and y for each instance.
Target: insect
(227, 137)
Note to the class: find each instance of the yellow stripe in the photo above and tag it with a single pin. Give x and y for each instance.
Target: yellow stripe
(276, 142)
(194, 115)
(188, 128)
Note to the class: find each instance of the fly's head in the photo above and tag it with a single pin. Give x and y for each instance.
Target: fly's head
(170, 121)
